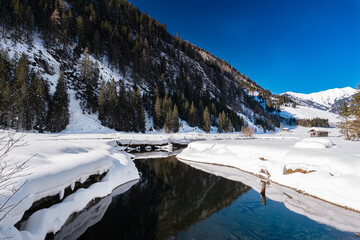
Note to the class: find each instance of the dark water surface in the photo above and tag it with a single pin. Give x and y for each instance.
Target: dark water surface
(174, 200)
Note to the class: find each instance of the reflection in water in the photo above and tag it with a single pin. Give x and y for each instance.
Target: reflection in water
(170, 197)
(78, 223)
(311, 207)
(175, 200)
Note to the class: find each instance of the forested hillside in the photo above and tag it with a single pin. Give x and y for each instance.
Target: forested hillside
(120, 64)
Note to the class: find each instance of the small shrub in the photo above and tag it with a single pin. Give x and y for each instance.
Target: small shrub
(248, 131)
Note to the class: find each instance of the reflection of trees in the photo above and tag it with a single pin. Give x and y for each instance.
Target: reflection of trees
(170, 197)
(194, 195)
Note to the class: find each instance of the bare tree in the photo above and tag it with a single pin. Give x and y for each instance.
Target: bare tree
(247, 131)
(10, 171)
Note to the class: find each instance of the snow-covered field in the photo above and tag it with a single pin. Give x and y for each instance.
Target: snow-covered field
(330, 166)
(303, 112)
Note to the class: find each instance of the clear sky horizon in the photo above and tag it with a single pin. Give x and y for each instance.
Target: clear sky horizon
(283, 45)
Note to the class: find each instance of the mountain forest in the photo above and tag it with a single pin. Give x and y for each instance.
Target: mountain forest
(154, 75)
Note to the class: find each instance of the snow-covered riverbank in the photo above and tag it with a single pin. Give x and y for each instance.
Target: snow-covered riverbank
(332, 168)
(313, 208)
(56, 166)
(62, 159)
(327, 168)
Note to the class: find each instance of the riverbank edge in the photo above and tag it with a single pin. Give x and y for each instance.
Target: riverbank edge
(272, 181)
(52, 219)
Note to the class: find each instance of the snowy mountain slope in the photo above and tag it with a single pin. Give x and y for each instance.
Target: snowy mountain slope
(321, 100)
(41, 59)
(82, 122)
(45, 60)
(304, 112)
(335, 108)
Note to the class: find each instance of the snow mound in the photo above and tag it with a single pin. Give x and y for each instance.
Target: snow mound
(53, 218)
(314, 143)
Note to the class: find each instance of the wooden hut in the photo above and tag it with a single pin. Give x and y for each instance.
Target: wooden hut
(316, 132)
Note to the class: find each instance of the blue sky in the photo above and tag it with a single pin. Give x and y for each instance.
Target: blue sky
(283, 45)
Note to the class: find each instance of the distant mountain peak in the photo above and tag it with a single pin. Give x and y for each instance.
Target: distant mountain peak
(323, 100)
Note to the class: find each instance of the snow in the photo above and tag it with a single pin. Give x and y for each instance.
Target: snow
(324, 98)
(59, 163)
(53, 218)
(8, 231)
(314, 143)
(308, 206)
(92, 214)
(335, 170)
(34, 51)
(303, 112)
(86, 147)
(83, 123)
(316, 104)
(72, 156)
(318, 129)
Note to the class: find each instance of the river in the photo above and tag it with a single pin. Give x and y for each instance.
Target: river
(174, 200)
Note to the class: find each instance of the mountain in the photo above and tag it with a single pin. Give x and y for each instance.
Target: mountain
(335, 108)
(329, 100)
(123, 69)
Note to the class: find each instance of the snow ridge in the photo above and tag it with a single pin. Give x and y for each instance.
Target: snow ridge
(321, 100)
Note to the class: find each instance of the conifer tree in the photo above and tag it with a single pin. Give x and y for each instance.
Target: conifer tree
(112, 103)
(141, 120)
(158, 112)
(30, 22)
(122, 117)
(5, 68)
(222, 122)
(213, 114)
(206, 120)
(38, 104)
(96, 43)
(80, 29)
(166, 106)
(131, 111)
(59, 107)
(89, 81)
(344, 125)
(168, 125)
(140, 113)
(230, 127)
(27, 108)
(102, 103)
(355, 111)
(193, 118)
(175, 121)
(21, 93)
